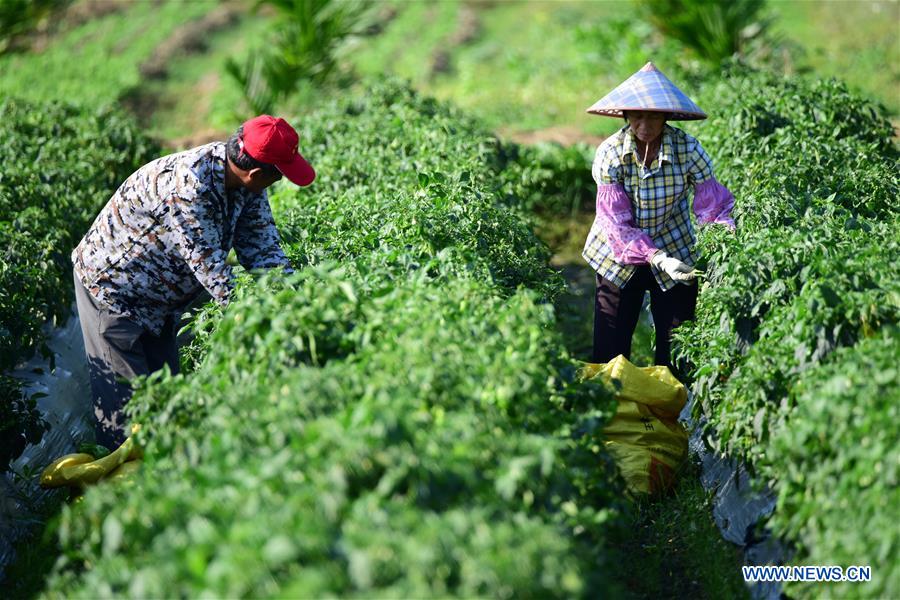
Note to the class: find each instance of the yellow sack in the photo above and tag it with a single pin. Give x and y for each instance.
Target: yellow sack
(644, 437)
(82, 470)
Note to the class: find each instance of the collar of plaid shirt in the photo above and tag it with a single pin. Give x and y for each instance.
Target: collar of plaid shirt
(629, 147)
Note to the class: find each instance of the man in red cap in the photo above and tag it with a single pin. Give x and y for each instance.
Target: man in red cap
(162, 239)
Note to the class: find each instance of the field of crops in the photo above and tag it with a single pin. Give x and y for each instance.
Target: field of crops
(455, 477)
(401, 416)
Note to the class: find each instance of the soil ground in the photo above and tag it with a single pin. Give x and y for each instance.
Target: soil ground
(672, 548)
(559, 134)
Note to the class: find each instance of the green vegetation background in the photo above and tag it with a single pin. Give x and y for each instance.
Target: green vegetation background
(519, 66)
(526, 67)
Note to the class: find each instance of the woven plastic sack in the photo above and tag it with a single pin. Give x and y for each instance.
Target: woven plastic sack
(81, 470)
(644, 437)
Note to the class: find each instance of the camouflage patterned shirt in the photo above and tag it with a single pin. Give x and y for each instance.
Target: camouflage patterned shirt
(166, 233)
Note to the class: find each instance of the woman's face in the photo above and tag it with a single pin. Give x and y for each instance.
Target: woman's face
(646, 125)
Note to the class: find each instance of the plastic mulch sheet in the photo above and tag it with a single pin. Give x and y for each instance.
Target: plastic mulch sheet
(67, 408)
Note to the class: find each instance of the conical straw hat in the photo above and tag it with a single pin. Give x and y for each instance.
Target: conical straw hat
(650, 90)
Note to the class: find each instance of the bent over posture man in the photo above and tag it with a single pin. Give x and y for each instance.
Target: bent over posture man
(164, 237)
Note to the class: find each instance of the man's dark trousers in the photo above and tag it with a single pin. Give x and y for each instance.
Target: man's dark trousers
(118, 350)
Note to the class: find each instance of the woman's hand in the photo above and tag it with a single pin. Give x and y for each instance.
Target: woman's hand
(673, 267)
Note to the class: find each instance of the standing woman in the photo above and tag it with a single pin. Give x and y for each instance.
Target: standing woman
(642, 238)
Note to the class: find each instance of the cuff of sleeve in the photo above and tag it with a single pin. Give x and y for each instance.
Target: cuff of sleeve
(648, 251)
(638, 251)
(725, 222)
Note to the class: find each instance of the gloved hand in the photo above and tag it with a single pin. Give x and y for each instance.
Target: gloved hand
(673, 267)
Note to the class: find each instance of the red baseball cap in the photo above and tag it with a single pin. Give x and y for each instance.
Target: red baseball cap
(273, 141)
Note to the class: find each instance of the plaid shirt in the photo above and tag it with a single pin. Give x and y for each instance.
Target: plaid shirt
(659, 197)
(165, 235)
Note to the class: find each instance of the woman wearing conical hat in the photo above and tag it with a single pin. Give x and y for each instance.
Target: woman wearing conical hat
(642, 238)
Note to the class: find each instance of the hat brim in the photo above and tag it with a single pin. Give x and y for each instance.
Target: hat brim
(298, 171)
(673, 115)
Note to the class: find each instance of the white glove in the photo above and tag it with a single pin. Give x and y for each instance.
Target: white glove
(673, 267)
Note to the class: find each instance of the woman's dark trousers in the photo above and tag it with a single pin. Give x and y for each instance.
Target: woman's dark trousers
(616, 313)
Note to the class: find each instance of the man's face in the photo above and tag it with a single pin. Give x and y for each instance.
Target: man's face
(257, 180)
(646, 125)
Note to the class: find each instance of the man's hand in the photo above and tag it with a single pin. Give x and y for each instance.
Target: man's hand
(673, 267)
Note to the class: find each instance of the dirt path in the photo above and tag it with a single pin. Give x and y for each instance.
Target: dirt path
(189, 38)
(560, 134)
(671, 547)
(66, 19)
(203, 92)
(468, 28)
(145, 99)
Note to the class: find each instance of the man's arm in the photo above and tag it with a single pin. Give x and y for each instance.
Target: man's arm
(198, 241)
(256, 239)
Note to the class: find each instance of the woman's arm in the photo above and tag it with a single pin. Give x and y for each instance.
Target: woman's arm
(712, 200)
(713, 203)
(629, 244)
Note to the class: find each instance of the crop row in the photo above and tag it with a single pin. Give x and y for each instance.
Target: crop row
(395, 419)
(794, 349)
(60, 163)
